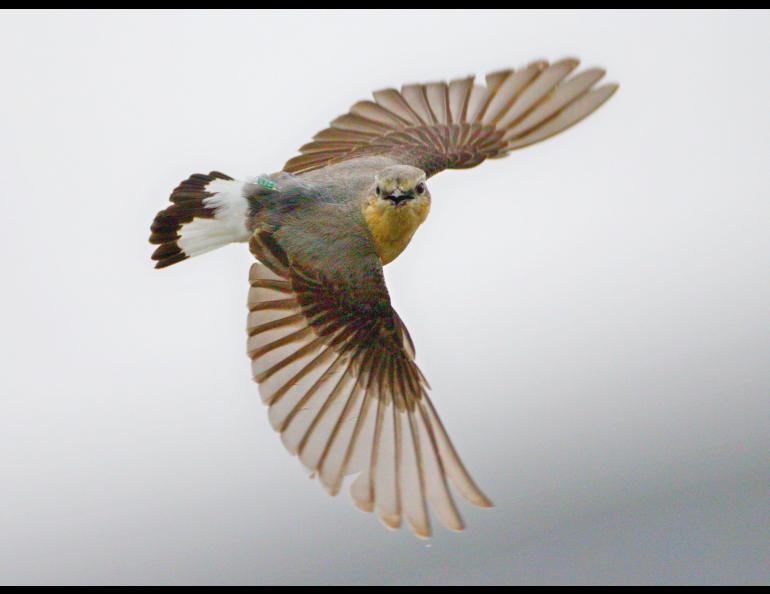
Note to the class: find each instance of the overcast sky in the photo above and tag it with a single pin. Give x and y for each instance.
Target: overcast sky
(592, 312)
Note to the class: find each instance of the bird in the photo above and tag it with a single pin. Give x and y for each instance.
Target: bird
(334, 361)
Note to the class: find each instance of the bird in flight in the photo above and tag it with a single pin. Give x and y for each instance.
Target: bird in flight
(334, 362)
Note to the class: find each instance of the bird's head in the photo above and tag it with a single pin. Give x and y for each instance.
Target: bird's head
(397, 203)
(400, 187)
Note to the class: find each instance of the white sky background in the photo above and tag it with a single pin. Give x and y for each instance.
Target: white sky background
(592, 312)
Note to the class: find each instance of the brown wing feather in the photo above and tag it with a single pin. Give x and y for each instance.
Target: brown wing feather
(457, 125)
(336, 366)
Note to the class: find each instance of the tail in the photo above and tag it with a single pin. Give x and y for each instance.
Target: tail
(208, 211)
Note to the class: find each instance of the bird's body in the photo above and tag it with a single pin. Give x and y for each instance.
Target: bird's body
(349, 184)
(334, 361)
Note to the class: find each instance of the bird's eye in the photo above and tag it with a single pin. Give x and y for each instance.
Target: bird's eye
(420, 188)
(377, 190)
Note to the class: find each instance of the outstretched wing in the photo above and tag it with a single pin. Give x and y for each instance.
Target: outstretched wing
(439, 126)
(336, 367)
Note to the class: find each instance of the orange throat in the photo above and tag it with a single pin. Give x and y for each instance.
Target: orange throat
(393, 227)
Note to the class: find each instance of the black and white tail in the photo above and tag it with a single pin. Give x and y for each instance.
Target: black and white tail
(208, 211)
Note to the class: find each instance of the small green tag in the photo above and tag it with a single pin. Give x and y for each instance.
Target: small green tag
(266, 183)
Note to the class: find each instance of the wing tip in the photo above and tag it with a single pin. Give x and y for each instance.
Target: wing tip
(612, 88)
(331, 490)
(421, 532)
(364, 506)
(483, 501)
(390, 521)
(570, 61)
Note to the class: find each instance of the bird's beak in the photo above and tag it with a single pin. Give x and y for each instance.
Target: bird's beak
(397, 197)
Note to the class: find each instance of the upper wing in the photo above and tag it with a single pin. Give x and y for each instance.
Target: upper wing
(439, 126)
(336, 366)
